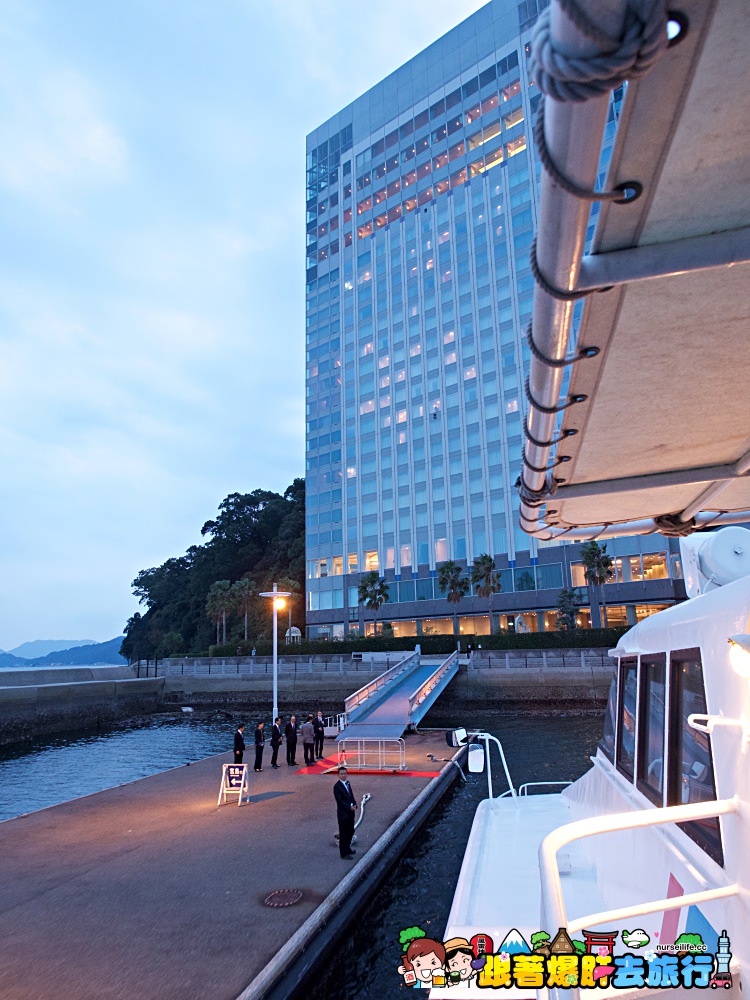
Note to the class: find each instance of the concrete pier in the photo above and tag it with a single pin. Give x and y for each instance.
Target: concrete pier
(150, 890)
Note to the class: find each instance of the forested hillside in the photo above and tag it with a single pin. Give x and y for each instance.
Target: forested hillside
(193, 600)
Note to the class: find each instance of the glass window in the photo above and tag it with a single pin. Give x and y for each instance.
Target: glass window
(406, 590)
(651, 728)
(523, 579)
(371, 560)
(607, 742)
(626, 718)
(691, 770)
(424, 590)
(655, 566)
(549, 576)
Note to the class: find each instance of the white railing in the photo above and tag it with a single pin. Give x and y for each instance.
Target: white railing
(370, 754)
(553, 903)
(523, 791)
(356, 699)
(428, 686)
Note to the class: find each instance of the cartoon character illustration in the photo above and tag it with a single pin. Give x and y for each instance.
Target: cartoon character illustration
(423, 965)
(635, 939)
(460, 963)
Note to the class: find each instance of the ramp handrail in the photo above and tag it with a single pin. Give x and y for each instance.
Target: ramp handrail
(372, 753)
(375, 685)
(553, 903)
(426, 687)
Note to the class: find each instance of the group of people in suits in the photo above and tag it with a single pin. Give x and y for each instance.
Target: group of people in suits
(312, 732)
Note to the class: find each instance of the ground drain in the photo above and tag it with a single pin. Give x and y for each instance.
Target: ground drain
(283, 897)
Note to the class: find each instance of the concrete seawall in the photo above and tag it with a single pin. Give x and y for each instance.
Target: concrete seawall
(58, 699)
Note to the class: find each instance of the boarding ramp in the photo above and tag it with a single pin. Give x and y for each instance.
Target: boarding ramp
(397, 699)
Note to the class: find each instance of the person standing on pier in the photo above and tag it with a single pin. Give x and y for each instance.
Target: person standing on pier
(320, 734)
(275, 741)
(239, 743)
(308, 740)
(290, 734)
(260, 742)
(346, 806)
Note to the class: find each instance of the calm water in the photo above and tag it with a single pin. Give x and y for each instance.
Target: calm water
(418, 891)
(70, 765)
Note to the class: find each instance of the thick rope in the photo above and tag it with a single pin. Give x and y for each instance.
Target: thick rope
(566, 78)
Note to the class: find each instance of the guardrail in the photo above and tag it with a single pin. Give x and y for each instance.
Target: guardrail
(356, 699)
(370, 754)
(428, 686)
(553, 903)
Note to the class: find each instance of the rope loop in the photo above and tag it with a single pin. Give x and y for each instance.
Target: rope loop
(567, 78)
(546, 444)
(585, 352)
(572, 400)
(672, 526)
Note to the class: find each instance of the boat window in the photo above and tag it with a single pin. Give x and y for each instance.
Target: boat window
(626, 717)
(607, 742)
(691, 769)
(651, 727)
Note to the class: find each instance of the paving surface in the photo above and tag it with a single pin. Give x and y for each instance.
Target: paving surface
(151, 891)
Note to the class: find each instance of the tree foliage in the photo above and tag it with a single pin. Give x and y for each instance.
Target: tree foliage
(598, 568)
(455, 584)
(568, 604)
(373, 593)
(258, 536)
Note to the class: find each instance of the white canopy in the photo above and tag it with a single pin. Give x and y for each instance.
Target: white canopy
(661, 423)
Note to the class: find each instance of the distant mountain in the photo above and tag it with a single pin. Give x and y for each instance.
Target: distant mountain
(43, 647)
(82, 656)
(97, 652)
(514, 943)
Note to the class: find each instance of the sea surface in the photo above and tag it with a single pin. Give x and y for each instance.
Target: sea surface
(420, 888)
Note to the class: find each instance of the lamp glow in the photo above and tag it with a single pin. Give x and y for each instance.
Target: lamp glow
(739, 654)
(277, 601)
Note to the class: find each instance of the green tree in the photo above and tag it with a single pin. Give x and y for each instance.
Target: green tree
(598, 569)
(243, 595)
(373, 593)
(171, 644)
(486, 579)
(455, 584)
(539, 938)
(218, 603)
(568, 602)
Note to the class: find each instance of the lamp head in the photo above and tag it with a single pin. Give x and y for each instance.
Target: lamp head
(279, 603)
(739, 654)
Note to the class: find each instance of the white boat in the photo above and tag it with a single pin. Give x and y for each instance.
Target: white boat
(638, 421)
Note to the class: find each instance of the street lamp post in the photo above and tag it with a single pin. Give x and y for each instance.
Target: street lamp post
(277, 597)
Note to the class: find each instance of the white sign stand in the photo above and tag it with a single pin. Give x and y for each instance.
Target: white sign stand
(234, 781)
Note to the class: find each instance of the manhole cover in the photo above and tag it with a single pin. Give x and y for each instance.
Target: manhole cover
(283, 897)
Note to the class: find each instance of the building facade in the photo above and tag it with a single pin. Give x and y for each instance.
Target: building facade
(421, 209)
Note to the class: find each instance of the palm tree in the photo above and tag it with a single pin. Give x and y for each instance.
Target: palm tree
(218, 602)
(486, 579)
(243, 594)
(455, 584)
(373, 593)
(597, 568)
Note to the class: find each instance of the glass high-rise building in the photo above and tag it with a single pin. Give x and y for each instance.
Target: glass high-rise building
(421, 209)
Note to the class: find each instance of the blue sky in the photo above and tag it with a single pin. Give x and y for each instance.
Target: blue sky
(152, 273)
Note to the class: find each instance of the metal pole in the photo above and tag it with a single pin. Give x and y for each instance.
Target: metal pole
(275, 656)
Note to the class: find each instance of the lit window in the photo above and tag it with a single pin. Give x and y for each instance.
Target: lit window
(511, 406)
(449, 337)
(513, 118)
(470, 372)
(401, 416)
(380, 196)
(444, 236)
(371, 560)
(384, 361)
(401, 376)
(441, 187)
(473, 113)
(511, 90)
(445, 277)
(367, 407)
(363, 231)
(337, 566)
(402, 437)
(352, 562)
(410, 178)
(380, 221)
(516, 145)
(364, 206)
(385, 400)
(393, 188)
(410, 204)
(489, 103)
(450, 358)
(351, 472)
(429, 264)
(385, 381)
(367, 349)
(414, 350)
(437, 163)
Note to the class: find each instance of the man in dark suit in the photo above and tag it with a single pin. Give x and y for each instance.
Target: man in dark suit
(275, 741)
(346, 806)
(290, 734)
(320, 734)
(260, 742)
(239, 743)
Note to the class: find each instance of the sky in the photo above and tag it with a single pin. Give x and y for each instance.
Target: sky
(152, 170)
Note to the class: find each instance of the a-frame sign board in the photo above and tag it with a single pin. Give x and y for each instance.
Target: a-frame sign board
(234, 781)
